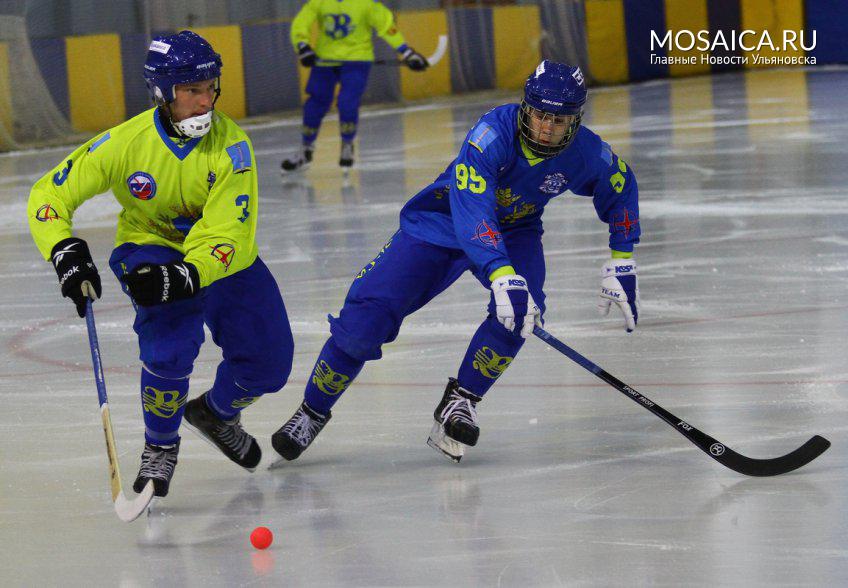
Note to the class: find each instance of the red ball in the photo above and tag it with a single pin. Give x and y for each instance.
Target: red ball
(261, 537)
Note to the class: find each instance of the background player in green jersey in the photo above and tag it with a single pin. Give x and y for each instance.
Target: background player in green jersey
(343, 55)
(185, 177)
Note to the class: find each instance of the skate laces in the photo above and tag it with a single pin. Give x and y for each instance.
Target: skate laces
(157, 462)
(302, 428)
(459, 408)
(231, 434)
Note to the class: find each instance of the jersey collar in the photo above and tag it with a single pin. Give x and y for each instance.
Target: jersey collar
(531, 157)
(180, 151)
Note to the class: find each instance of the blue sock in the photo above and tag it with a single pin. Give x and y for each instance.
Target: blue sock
(490, 352)
(226, 398)
(333, 373)
(163, 401)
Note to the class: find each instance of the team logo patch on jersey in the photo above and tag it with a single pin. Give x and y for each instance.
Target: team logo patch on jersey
(46, 213)
(224, 252)
(142, 185)
(210, 179)
(486, 235)
(482, 136)
(623, 222)
(553, 183)
(240, 155)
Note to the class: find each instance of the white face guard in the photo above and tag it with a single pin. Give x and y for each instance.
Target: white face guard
(195, 126)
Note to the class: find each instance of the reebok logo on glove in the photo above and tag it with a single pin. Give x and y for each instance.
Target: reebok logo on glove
(151, 284)
(166, 282)
(68, 274)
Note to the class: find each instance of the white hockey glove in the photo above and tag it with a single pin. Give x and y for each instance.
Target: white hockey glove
(619, 285)
(515, 306)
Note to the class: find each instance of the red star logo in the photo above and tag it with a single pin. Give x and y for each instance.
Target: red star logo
(627, 223)
(487, 235)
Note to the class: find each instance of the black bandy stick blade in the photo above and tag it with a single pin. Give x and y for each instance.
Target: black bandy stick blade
(749, 466)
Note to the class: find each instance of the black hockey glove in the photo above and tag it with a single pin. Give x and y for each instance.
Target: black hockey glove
(150, 284)
(306, 55)
(78, 276)
(414, 60)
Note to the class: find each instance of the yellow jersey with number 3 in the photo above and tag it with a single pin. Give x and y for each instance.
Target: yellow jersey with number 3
(197, 196)
(344, 28)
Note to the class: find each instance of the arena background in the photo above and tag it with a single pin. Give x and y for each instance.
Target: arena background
(59, 58)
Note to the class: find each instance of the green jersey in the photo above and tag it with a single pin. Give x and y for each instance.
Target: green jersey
(345, 28)
(197, 196)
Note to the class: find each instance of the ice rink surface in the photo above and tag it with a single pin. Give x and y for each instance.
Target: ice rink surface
(743, 269)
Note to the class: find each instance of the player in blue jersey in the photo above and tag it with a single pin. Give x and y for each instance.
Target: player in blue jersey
(186, 253)
(482, 214)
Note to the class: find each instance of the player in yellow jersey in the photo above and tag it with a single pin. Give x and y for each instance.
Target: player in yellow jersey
(343, 55)
(185, 177)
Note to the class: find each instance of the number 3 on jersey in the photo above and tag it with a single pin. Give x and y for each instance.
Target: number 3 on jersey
(243, 201)
(467, 177)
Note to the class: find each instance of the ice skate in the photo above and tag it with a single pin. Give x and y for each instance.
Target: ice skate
(299, 432)
(455, 423)
(346, 155)
(157, 465)
(298, 162)
(228, 436)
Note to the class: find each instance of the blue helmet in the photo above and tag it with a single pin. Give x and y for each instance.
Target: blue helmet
(182, 58)
(555, 92)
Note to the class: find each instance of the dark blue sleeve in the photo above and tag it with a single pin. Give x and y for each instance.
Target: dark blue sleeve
(615, 194)
(472, 195)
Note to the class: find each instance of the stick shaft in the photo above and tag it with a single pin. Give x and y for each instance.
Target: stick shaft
(111, 450)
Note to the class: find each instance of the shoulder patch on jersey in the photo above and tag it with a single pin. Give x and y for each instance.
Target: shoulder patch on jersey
(606, 152)
(46, 213)
(240, 155)
(99, 142)
(482, 136)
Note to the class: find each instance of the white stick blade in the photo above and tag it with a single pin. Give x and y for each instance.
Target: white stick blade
(130, 510)
(437, 55)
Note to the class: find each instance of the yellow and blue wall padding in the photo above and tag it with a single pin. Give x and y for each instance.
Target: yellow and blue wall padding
(96, 80)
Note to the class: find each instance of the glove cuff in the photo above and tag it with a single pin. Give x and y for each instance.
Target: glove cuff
(619, 267)
(510, 282)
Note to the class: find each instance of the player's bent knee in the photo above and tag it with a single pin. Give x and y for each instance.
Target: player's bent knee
(363, 344)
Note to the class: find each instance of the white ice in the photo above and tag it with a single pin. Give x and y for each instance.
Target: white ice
(743, 269)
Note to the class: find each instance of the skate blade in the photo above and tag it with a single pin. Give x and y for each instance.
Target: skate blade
(453, 450)
(278, 463)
